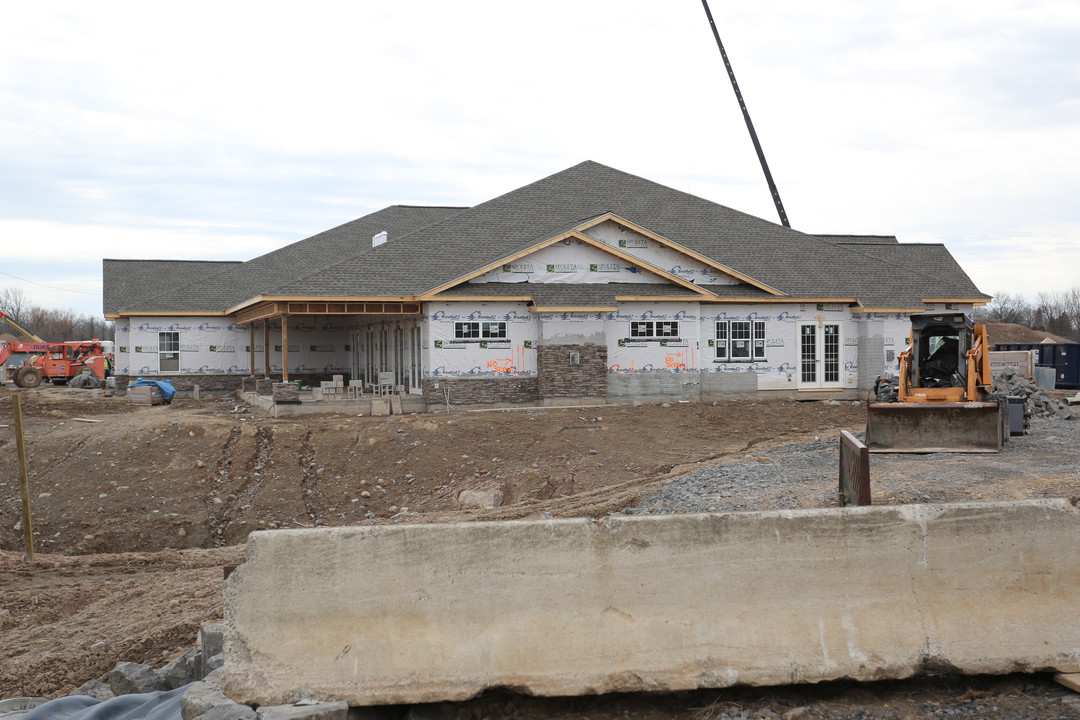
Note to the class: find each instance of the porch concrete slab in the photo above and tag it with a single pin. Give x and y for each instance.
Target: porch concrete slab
(426, 613)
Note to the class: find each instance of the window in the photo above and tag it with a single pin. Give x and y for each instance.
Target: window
(740, 340)
(651, 329)
(667, 329)
(759, 339)
(721, 340)
(168, 352)
(466, 330)
(473, 330)
(493, 330)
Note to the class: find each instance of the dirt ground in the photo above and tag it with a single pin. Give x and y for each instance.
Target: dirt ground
(137, 509)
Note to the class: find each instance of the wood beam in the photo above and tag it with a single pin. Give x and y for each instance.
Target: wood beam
(284, 348)
(259, 312)
(677, 247)
(266, 348)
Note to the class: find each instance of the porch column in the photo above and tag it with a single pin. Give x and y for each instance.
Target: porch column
(266, 348)
(284, 348)
(251, 348)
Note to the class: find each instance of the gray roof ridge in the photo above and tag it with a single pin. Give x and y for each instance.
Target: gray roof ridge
(852, 235)
(429, 207)
(165, 260)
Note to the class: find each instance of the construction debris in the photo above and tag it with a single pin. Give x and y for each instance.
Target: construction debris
(1038, 401)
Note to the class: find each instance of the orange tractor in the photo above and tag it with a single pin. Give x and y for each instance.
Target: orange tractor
(942, 400)
(28, 363)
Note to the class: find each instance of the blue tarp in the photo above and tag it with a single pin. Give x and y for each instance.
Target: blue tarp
(167, 390)
(138, 706)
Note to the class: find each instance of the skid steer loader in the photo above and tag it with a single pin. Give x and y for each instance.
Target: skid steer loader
(941, 401)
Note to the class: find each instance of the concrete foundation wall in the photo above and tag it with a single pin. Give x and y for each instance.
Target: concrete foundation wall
(420, 613)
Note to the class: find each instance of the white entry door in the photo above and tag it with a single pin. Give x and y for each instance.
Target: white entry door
(819, 355)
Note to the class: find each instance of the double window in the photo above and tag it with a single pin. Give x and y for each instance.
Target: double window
(474, 330)
(740, 340)
(168, 352)
(654, 329)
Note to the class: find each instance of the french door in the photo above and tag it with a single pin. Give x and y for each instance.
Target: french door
(819, 355)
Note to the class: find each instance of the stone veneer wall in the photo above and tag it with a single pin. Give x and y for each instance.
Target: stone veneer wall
(560, 378)
(481, 390)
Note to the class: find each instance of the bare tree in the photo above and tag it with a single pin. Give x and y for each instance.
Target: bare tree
(1071, 307)
(1052, 314)
(50, 324)
(13, 302)
(1009, 308)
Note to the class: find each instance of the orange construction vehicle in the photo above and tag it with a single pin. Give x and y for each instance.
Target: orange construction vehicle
(28, 363)
(942, 400)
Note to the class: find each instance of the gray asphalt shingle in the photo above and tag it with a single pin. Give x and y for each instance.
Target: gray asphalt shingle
(430, 248)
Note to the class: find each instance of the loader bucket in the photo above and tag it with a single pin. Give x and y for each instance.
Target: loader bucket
(935, 427)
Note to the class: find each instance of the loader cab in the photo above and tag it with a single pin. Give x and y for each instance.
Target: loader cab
(939, 346)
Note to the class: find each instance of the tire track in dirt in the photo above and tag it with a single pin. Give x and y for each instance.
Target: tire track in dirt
(219, 486)
(251, 483)
(310, 493)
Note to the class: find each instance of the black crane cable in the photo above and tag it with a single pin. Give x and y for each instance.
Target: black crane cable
(749, 123)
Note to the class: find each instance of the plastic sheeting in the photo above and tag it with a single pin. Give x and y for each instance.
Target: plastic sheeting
(572, 261)
(449, 355)
(137, 706)
(215, 345)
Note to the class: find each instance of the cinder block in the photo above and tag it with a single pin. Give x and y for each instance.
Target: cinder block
(653, 603)
(380, 406)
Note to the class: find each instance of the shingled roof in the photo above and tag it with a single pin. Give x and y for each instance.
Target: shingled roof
(128, 283)
(431, 248)
(195, 291)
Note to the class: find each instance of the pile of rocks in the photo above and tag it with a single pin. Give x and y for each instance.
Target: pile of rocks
(1038, 401)
(200, 671)
(130, 677)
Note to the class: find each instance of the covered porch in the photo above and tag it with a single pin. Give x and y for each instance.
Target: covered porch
(301, 339)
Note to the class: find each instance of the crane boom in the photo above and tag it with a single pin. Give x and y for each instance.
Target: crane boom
(11, 321)
(749, 123)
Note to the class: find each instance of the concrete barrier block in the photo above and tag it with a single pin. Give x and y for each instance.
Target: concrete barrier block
(427, 613)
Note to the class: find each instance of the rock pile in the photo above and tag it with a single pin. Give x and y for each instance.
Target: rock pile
(196, 664)
(1038, 401)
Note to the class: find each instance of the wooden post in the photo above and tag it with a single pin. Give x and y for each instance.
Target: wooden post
(284, 348)
(854, 471)
(266, 349)
(251, 349)
(24, 481)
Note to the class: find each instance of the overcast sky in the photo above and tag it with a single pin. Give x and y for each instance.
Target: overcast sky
(223, 130)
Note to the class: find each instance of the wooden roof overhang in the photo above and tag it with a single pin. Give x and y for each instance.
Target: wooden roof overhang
(270, 308)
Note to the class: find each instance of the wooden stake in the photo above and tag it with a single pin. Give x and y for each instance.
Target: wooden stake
(24, 481)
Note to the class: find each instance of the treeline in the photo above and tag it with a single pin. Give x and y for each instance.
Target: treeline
(1054, 312)
(47, 323)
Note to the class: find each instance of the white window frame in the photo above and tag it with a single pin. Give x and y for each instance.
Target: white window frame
(467, 330)
(168, 350)
(654, 329)
(750, 336)
(721, 340)
(493, 330)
